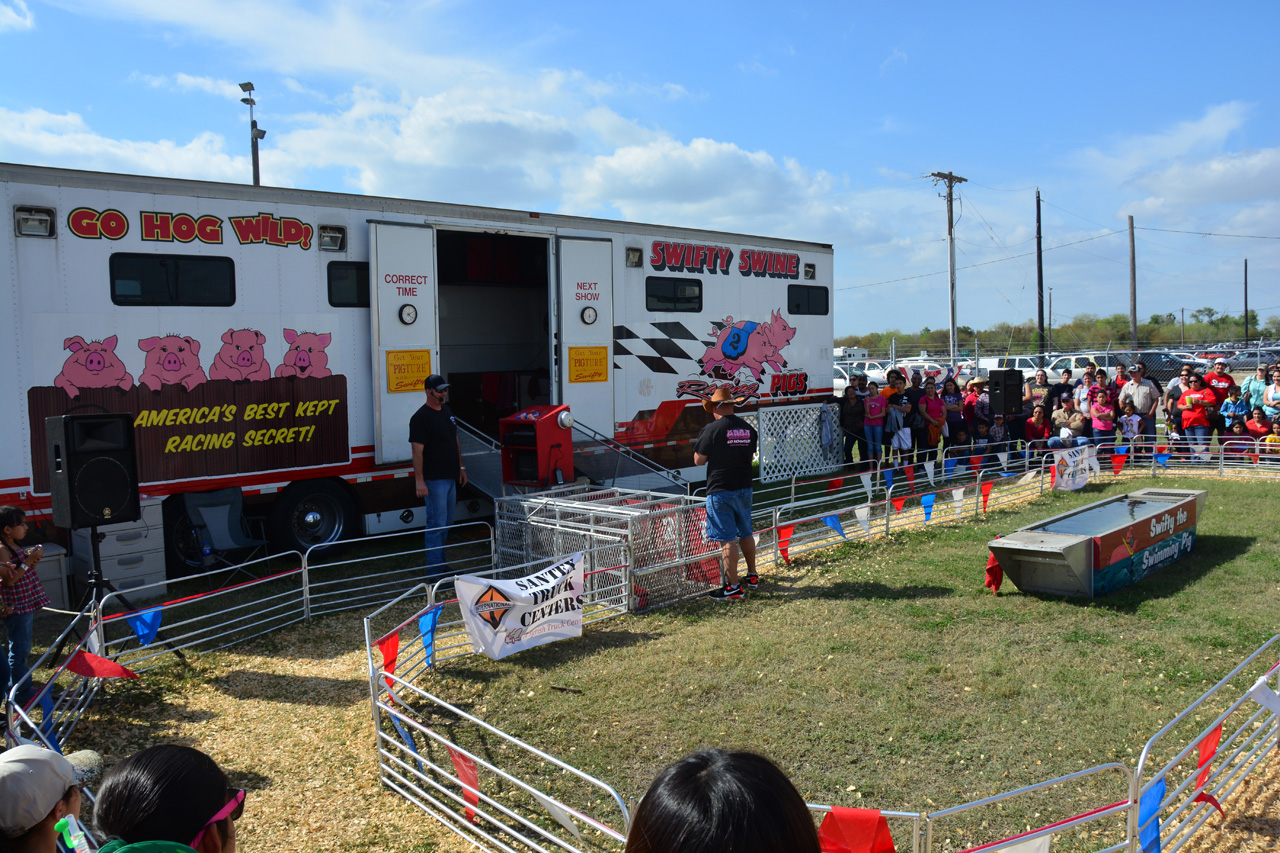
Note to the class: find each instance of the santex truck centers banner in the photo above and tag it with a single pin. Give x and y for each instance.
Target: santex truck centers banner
(507, 616)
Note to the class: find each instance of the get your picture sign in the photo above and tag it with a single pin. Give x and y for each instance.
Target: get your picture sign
(507, 616)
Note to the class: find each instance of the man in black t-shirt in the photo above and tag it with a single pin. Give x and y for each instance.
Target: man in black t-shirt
(727, 446)
(1053, 400)
(437, 466)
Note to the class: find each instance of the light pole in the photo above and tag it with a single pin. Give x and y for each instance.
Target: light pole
(254, 133)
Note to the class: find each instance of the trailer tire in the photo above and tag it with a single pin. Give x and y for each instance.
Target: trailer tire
(310, 513)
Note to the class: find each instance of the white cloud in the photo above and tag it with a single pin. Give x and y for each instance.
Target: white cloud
(14, 15)
(1128, 159)
(893, 59)
(1234, 177)
(755, 66)
(43, 138)
(189, 83)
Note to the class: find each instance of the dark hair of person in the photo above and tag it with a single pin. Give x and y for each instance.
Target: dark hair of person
(163, 793)
(11, 516)
(715, 801)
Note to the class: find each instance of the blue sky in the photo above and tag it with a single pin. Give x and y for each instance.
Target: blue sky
(816, 121)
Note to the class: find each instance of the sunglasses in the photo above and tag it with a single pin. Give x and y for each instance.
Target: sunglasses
(233, 809)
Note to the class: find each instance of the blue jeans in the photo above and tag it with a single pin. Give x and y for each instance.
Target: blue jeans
(441, 500)
(13, 667)
(875, 437)
(729, 516)
(1060, 443)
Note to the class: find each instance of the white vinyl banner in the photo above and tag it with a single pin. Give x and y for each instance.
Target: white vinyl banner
(1072, 467)
(507, 616)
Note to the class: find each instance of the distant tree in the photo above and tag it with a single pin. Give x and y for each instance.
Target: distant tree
(1204, 315)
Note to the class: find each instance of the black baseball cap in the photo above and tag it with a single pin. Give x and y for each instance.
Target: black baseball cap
(435, 382)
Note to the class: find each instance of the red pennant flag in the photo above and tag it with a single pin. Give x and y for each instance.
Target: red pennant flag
(1255, 457)
(1117, 462)
(975, 462)
(390, 647)
(91, 666)
(1162, 448)
(1208, 748)
(784, 541)
(995, 575)
(1053, 475)
(854, 831)
(898, 503)
(910, 471)
(837, 483)
(466, 770)
(986, 493)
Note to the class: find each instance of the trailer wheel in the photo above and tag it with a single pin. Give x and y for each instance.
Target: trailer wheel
(312, 512)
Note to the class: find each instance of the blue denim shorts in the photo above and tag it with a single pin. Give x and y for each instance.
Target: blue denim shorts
(729, 516)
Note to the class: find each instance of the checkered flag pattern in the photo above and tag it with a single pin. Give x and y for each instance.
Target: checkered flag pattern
(660, 347)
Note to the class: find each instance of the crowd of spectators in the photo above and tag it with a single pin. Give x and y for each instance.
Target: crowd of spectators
(915, 419)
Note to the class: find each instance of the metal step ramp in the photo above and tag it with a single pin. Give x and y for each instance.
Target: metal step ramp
(598, 458)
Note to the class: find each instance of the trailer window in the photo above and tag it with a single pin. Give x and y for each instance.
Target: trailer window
(172, 280)
(807, 299)
(662, 293)
(348, 284)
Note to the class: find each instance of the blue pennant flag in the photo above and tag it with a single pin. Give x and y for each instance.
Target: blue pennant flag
(46, 723)
(405, 737)
(1026, 454)
(1149, 810)
(1007, 473)
(926, 501)
(888, 478)
(145, 624)
(1120, 450)
(834, 523)
(1162, 458)
(948, 465)
(427, 627)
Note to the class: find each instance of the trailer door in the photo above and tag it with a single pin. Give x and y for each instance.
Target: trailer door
(586, 331)
(404, 331)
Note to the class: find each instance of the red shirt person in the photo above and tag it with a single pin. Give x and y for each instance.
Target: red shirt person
(1219, 381)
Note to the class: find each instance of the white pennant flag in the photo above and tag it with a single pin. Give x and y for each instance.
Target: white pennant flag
(1026, 478)
(863, 513)
(561, 816)
(1003, 456)
(957, 496)
(1035, 845)
(928, 472)
(866, 483)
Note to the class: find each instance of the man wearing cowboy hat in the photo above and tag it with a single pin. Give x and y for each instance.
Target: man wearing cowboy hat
(727, 446)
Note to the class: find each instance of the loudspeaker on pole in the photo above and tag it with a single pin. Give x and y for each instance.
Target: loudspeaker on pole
(93, 469)
(1005, 388)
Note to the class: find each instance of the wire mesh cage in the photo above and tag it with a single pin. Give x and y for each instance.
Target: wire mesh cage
(799, 440)
(656, 541)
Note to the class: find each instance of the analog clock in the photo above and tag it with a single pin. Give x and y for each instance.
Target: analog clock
(408, 314)
(589, 315)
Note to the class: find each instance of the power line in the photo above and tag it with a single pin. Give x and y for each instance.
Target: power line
(1209, 233)
(982, 264)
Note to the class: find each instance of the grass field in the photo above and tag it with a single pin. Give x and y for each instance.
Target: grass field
(878, 674)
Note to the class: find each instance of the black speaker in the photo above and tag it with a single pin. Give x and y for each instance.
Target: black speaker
(1005, 387)
(93, 470)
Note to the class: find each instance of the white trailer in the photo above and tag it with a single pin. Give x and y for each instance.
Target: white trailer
(276, 340)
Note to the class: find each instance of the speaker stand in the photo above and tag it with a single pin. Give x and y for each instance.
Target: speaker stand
(98, 589)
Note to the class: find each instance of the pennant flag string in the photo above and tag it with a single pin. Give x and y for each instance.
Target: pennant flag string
(784, 541)
(145, 624)
(91, 666)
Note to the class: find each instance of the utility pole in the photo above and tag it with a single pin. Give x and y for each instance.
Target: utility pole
(1050, 339)
(1133, 290)
(1246, 303)
(1184, 327)
(951, 180)
(1039, 287)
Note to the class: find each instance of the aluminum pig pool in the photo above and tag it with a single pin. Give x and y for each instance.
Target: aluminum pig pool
(1102, 547)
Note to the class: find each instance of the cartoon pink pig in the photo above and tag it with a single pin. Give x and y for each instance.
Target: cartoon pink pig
(171, 360)
(92, 364)
(241, 357)
(306, 355)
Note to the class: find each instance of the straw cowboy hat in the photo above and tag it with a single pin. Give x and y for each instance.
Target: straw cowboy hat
(721, 395)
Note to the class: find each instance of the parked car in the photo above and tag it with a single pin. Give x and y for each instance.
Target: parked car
(875, 369)
(844, 374)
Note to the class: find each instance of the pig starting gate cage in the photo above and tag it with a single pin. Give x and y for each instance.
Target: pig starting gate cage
(652, 544)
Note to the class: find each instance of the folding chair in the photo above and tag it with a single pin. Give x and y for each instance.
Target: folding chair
(221, 526)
